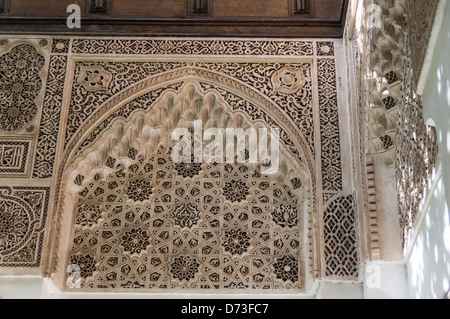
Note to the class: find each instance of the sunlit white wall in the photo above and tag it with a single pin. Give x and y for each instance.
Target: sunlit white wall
(428, 261)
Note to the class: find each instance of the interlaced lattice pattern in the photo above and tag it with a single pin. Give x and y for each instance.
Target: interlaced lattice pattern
(417, 152)
(201, 226)
(340, 237)
(144, 223)
(23, 213)
(186, 233)
(20, 84)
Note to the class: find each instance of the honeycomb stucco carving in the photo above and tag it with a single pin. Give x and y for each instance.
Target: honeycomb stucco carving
(219, 245)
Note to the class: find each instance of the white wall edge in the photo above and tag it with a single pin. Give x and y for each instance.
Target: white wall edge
(437, 25)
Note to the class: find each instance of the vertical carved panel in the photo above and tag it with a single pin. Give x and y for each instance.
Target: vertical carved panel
(20, 85)
(23, 214)
(341, 251)
(49, 128)
(329, 126)
(417, 152)
(385, 43)
(420, 18)
(22, 76)
(23, 210)
(395, 46)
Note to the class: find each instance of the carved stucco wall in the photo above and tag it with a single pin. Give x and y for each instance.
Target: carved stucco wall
(395, 53)
(386, 43)
(83, 137)
(24, 206)
(417, 151)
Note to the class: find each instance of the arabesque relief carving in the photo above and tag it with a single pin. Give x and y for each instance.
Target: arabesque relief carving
(138, 220)
(23, 215)
(20, 86)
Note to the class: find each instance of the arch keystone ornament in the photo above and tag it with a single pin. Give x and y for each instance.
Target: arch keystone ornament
(289, 80)
(94, 78)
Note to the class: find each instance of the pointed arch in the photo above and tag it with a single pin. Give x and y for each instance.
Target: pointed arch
(270, 114)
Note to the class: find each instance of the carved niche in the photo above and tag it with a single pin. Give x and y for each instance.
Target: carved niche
(113, 164)
(143, 221)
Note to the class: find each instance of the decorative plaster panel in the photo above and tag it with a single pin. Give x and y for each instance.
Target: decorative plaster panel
(23, 216)
(138, 220)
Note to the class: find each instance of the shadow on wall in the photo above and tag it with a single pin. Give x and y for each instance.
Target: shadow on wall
(429, 264)
(436, 96)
